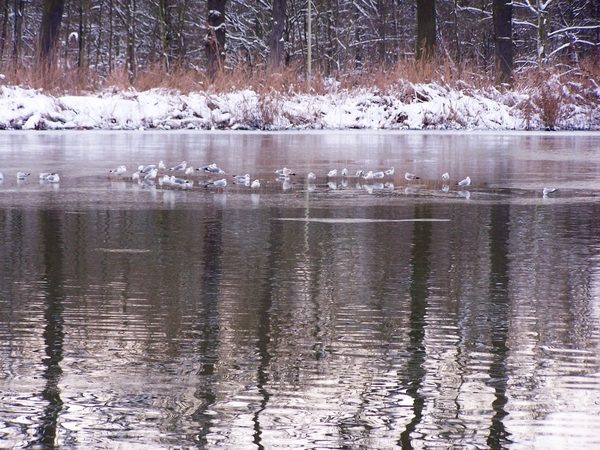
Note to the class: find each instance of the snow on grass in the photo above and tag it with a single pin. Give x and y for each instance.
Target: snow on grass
(413, 106)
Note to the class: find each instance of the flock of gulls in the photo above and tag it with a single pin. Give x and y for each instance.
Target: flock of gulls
(44, 177)
(151, 174)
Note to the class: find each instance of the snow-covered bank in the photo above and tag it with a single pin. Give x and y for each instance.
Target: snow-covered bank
(414, 106)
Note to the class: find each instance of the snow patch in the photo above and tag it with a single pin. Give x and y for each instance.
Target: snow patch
(412, 106)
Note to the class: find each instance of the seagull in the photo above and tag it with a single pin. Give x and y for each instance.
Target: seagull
(465, 182)
(359, 173)
(255, 184)
(445, 176)
(410, 176)
(118, 171)
(181, 182)
(44, 175)
(52, 178)
(390, 171)
(284, 172)
(146, 169)
(161, 165)
(369, 175)
(311, 176)
(219, 183)
(332, 173)
(204, 183)
(242, 179)
(547, 191)
(152, 174)
(165, 179)
(211, 168)
(378, 175)
(22, 175)
(344, 172)
(179, 167)
(189, 171)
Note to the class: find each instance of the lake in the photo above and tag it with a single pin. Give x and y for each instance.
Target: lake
(327, 314)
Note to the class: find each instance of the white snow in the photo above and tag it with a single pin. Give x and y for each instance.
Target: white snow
(412, 106)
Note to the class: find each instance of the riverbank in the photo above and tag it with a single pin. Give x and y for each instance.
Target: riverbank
(405, 105)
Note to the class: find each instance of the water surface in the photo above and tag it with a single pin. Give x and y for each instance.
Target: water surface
(342, 313)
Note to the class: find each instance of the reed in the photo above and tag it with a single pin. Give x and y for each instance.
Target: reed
(548, 93)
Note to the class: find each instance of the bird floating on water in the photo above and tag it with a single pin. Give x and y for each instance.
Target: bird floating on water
(181, 182)
(242, 179)
(219, 183)
(445, 176)
(179, 167)
(390, 171)
(255, 184)
(22, 175)
(465, 182)
(146, 169)
(152, 174)
(119, 170)
(332, 173)
(284, 172)
(311, 176)
(211, 168)
(410, 176)
(546, 191)
(161, 165)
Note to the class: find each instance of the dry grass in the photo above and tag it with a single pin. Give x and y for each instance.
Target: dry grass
(288, 80)
(551, 93)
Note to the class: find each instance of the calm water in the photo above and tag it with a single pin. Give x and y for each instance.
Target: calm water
(344, 314)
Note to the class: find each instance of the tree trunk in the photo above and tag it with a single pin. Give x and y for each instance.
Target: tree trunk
(50, 26)
(426, 28)
(18, 30)
(131, 62)
(276, 38)
(214, 43)
(502, 14)
(4, 34)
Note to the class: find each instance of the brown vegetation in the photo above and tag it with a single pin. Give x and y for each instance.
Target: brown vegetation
(547, 94)
(292, 80)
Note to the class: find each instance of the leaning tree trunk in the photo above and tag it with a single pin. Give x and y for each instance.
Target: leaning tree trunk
(50, 26)
(502, 12)
(214, 43)
(425, 29)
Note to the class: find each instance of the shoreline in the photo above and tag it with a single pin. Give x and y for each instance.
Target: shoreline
(427, 107)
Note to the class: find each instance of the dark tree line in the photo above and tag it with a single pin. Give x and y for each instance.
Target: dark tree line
(498, 36)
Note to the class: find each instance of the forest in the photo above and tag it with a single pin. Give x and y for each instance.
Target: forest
(348, 38)
(297, 64)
